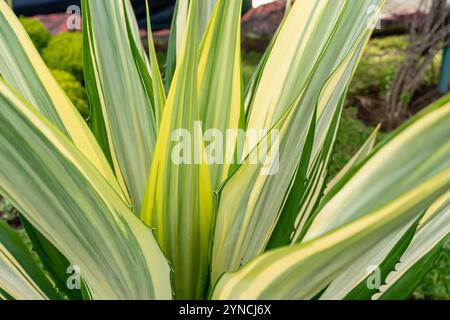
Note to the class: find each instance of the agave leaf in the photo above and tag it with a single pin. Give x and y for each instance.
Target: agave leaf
(207, 8)
(120, 91)
(76, 208)
(53, 261)
(296, 55)
(178, 29)
(361, 279)
(419, 151)
(404, 286)
(175, 39)
(302, 270)
(157, 83)
(282, 232)
(302, 201)
(432, 235)
(20, 277)
(288, 7)
(307, 184)
(252, 85)
(327, 82)
(219, 84)
(22, 67)
(178, 202)
(352, 284)
(250, 207)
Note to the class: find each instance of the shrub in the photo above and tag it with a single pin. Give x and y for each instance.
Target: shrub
(37, 32)
(64, 52)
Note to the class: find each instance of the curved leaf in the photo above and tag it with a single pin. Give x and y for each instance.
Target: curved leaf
(118, 79)
(178, 201)
(301, 271)
(76, 209)
(52, 260)
(178, 29)
(219, 84)
(20, 276)
(432, 235)
(252, 200)
(357, 158)
(417, 151)
(23, 68)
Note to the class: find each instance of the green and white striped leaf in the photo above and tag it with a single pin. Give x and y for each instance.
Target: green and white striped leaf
(219, 79)
(288, 6)
(120, 92)
(432, 235)
(178, 201)
(296, 54)
(157, 82)
(363, 277)
(178, 29)
(22, 67)
(76, 208)
(251, 202)
(207, 8)
(20, 276)
(420, 150)
(301, 271)
(310, 183)
(252, 85)
(312, 177)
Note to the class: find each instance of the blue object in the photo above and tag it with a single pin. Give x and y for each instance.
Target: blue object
(161, 10)
(444, 78)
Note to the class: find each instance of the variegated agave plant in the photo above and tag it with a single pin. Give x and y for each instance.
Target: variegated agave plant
(108, 201)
